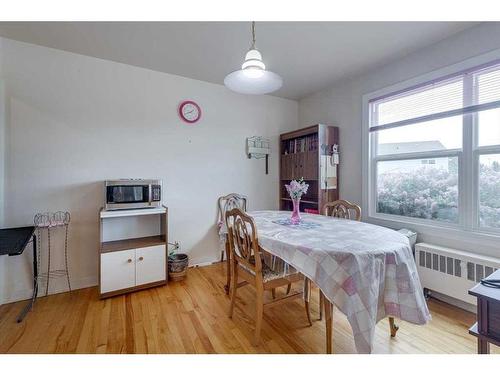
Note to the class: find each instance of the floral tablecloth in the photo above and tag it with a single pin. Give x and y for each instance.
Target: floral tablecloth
(366, 270)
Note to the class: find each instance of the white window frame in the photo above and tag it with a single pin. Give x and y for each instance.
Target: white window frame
(468, 160)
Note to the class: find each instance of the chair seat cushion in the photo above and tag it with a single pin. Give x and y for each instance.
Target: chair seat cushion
(280, 269)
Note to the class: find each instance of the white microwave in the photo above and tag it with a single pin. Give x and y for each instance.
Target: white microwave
(132, 193)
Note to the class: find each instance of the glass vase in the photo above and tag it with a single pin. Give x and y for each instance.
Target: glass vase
(295, 219)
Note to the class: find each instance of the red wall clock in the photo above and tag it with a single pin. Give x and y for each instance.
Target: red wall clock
(189, 111)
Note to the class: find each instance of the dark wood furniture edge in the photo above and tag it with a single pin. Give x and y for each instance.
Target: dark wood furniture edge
(25, 243)
(302, 132)
(486, 329)
(474, 331)
(30, 234)
(164, 232)
(473, 292)
(132, 243)
(299, 132)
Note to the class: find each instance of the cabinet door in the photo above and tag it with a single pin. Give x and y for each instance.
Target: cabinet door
(150, 264)
(299, 165)
(311, 166)
(117, 270)
(287, 166)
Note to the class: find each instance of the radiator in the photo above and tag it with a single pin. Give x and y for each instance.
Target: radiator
(452, 272)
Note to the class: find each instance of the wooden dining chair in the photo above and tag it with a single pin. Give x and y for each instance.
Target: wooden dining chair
(224, 204)
(343, 209)
(227, 203)
(248, 264)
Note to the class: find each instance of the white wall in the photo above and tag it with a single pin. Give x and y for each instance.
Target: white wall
(75, 120)
(341, 104)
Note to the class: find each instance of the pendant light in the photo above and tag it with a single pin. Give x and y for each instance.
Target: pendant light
(253, 78)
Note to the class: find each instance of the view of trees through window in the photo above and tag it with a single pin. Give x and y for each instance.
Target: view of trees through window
(489, 190)
(416, 162)
(409, 188)
(425, 188)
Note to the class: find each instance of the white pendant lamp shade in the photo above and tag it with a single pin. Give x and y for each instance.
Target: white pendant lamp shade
(253, 78)
(253, 60)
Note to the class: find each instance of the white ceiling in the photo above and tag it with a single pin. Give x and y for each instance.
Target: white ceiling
(308, 55)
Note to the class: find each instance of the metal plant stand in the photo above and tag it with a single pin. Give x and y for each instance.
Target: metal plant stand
(51, 222)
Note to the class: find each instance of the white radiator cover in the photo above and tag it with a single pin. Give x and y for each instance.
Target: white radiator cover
(452, 272)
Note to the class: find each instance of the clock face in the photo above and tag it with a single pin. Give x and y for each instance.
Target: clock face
(190, 111)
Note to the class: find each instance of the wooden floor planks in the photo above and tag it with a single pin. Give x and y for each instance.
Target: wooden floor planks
(191, 317)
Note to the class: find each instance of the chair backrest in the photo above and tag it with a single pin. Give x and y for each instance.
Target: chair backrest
(342, 209)
(230, 201)
(243, 239)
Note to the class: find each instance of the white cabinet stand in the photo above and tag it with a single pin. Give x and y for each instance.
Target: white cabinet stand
(133, 250)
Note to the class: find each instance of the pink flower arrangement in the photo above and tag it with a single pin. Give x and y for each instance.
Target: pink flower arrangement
(297, 188)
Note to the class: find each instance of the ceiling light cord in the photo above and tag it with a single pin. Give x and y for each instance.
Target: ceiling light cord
(253, 35)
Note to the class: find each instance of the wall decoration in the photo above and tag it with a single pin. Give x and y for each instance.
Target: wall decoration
(189, 111)
(258, 148)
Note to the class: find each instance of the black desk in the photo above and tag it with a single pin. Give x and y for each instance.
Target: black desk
(487, 328)
(13, 241)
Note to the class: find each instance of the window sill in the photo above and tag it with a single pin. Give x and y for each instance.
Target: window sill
(486, 243)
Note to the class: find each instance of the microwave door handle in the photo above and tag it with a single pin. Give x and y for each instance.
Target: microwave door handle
(150, 192)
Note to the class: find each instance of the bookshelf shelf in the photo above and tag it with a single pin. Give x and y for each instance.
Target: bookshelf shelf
(302, 201)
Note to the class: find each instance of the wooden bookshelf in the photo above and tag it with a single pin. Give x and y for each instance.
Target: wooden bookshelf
(304, 153)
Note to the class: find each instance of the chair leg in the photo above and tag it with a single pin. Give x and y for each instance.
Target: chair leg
(329, 325)
(234, 288)
(393, 326)
(307, 294)
(288, 288)
(259, 310)
(321, 303)
(273, 292)
(308, 313)
(228, 267)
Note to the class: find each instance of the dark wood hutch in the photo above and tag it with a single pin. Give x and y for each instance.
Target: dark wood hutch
(308, 153)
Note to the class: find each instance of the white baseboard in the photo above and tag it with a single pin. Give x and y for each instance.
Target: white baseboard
(202, 264)
(454, 302)
(60, 285)
(56, 286)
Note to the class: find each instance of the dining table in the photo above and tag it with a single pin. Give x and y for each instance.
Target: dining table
(367, 271)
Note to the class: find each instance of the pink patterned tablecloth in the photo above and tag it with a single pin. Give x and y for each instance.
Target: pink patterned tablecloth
(366, 270)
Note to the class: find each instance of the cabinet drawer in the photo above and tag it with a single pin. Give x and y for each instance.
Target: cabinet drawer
(151, 263)
(117, 270)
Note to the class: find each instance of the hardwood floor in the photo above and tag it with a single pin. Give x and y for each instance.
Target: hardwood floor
(191, 317)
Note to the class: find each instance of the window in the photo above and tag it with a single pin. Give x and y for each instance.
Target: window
(489, 190)
(435, 151)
